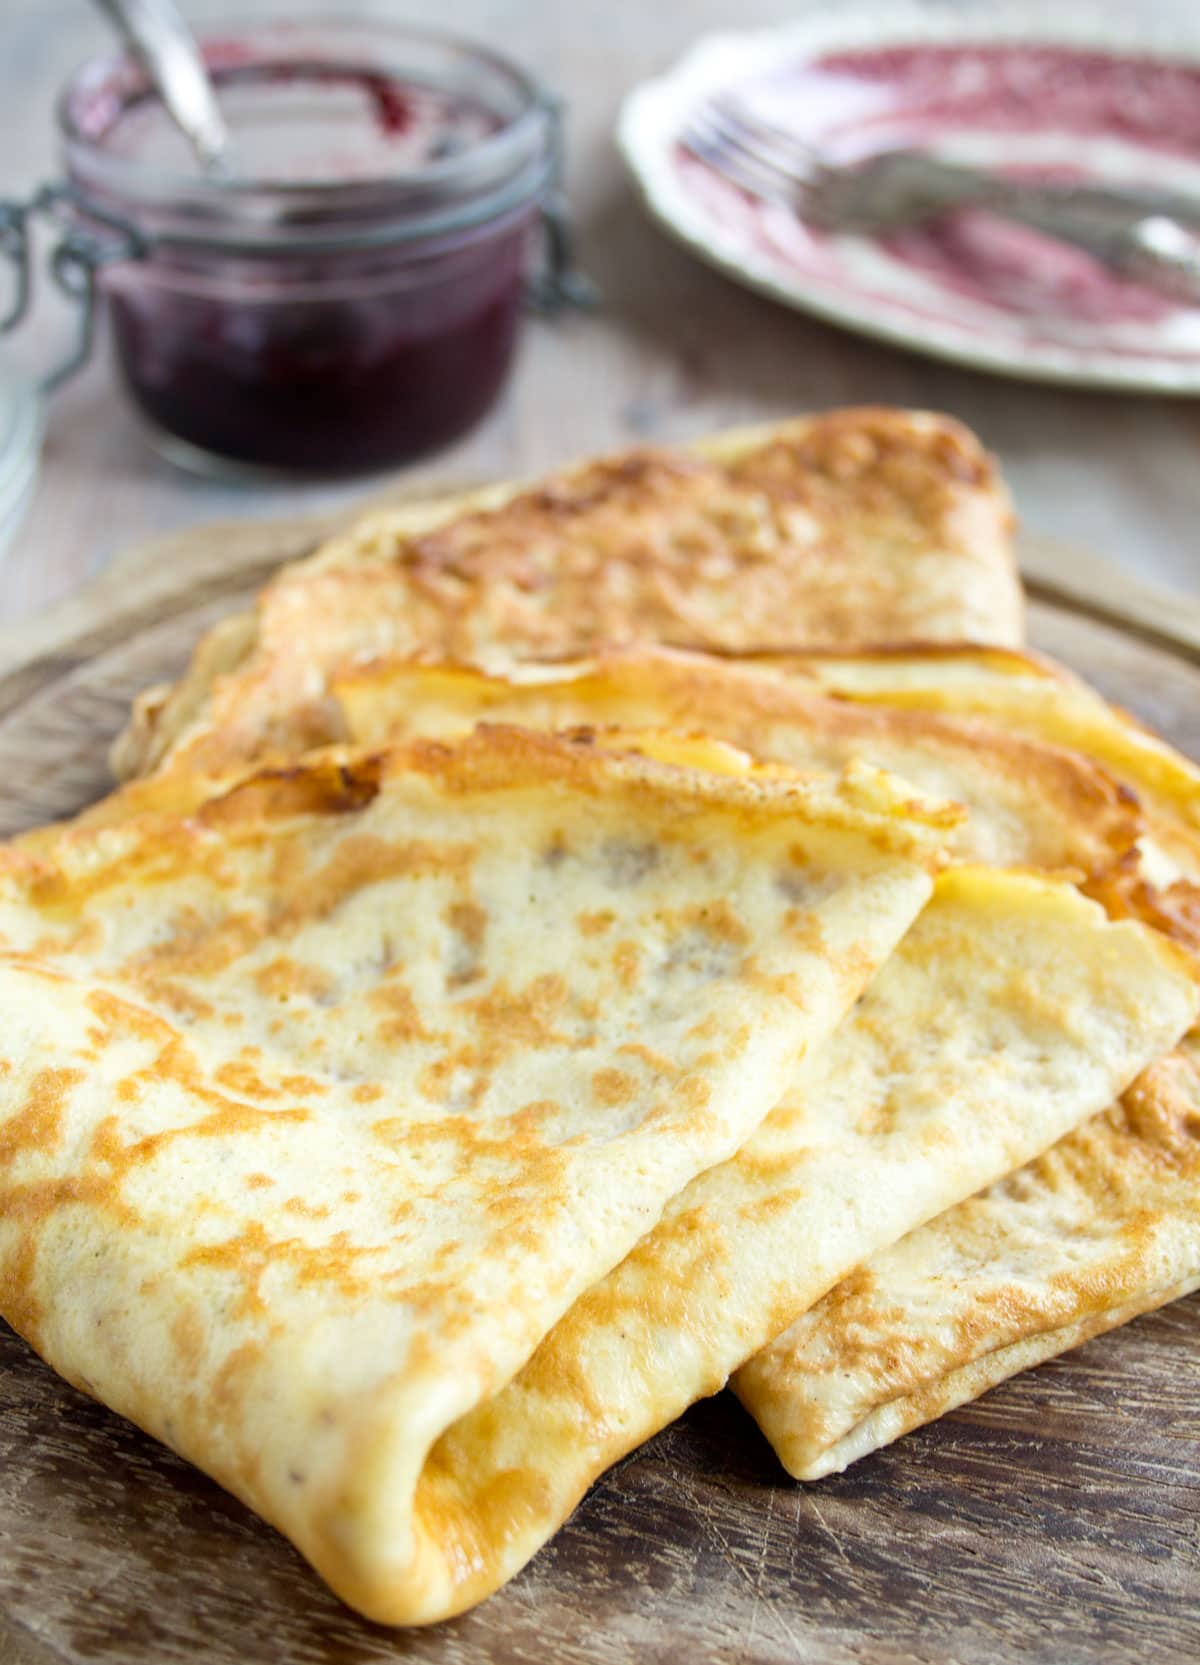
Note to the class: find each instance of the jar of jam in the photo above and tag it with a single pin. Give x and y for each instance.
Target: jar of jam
(348, 294)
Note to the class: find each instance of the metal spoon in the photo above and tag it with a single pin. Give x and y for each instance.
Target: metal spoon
(171, 58)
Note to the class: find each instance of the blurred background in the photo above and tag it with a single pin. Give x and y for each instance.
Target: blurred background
(675, 349)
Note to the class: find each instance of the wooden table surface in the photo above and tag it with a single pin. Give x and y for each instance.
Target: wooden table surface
(676, 350)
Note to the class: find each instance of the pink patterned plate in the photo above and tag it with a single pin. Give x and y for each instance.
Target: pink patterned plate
(1031, 93)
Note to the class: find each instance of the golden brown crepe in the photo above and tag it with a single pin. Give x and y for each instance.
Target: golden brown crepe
(186, 985)
(1102, 1228)
(321, 1105)
(1007, 1007)
(1031, 803)
(1012, 1012)
(862, 525)
(1031, 695)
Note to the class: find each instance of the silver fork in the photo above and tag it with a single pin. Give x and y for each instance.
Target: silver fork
(1150, 236)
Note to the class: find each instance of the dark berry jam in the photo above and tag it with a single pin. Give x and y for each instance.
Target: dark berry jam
(340, 384)
(349, 295)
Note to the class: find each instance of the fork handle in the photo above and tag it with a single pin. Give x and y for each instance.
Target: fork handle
(1147, 248)
(1110, 201)
(1149, 236)
(1163, 254)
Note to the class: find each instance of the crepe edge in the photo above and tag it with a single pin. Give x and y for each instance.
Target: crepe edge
(162, 715)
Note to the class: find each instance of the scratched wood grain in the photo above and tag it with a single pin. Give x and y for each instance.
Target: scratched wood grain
(1056, 1520)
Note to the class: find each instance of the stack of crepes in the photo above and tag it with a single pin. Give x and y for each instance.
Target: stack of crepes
(558, 954)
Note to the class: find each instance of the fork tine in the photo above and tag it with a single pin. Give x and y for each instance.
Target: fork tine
(738, 165)
(761, 134)
(723, 146)
(796, 162)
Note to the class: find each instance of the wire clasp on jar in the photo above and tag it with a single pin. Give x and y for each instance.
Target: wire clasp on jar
(76, 256)
(559, 285)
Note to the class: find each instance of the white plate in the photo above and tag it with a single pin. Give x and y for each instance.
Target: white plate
(1070, 95)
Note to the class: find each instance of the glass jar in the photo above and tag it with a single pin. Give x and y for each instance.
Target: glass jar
(348, 295)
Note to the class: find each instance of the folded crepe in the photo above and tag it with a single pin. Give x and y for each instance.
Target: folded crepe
(999, 1289)
(1104, 1227)
(266, 1191)
(1011, 1005)
(1098, 1230)
(857, 526)
(1101, 1228)
(1028, 695)
(1031, 803)
(320, 1106)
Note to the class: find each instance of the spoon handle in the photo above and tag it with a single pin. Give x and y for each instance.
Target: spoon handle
(167, 48)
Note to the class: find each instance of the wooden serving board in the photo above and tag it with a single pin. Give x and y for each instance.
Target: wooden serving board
(1058, 1519)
